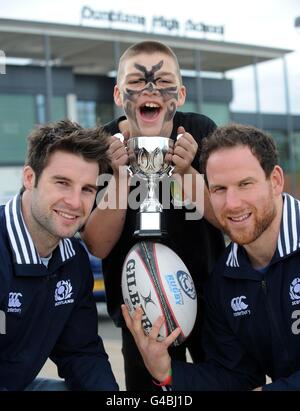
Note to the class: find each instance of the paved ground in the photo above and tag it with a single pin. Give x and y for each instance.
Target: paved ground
(111, 336)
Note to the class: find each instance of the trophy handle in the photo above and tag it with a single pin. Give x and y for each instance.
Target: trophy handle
(120, 137)
(169, 170)
(130, 171)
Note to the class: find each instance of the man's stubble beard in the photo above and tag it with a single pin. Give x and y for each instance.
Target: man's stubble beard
(261, 224)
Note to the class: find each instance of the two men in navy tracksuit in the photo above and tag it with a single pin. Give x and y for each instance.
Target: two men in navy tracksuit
(46, 298)
(252, 325)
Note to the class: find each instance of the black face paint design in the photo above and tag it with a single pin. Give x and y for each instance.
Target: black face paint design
(149, 75)
(170, 112)
(129, 111)
(168, 93)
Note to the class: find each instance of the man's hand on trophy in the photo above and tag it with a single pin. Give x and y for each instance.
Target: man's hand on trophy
(117, 151)
(184, 151)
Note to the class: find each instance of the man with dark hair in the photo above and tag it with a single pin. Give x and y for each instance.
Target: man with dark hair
(149, 89)
(252, 323)
(45, 276)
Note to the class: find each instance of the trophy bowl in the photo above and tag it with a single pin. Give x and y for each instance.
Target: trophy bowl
(150, 158)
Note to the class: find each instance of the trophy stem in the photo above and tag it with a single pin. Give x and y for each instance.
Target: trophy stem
(151, 203)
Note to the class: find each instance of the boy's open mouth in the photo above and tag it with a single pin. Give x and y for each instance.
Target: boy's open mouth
(150, 111)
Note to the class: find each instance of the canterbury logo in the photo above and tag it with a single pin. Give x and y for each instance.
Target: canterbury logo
(239, 306)
(14, 301)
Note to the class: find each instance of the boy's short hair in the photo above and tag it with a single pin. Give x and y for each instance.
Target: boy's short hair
(148, 47)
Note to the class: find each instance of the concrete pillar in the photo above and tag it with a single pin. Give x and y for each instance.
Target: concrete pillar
(257, 96)
(72, 107)
(199, 85)
(118, 111)
(48, 74)
(289, 128)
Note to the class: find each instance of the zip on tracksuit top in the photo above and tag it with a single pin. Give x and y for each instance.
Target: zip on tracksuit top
(47, 312)
(252, 326)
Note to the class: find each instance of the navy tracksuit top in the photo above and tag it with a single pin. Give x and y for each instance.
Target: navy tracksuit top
(47, 312)
(252, 326)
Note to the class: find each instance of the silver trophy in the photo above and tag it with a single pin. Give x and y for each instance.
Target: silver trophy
(150, 159)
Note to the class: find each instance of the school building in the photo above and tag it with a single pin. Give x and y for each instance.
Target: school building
(64, 70)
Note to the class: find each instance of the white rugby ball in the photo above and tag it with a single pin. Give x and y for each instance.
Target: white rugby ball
(154, 277)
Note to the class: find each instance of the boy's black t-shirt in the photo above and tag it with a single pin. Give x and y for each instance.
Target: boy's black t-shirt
(197, 242)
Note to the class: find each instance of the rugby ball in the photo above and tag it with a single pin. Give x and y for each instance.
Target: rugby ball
(155, 278)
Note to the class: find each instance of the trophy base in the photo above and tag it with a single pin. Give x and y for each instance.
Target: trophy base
(150, 225)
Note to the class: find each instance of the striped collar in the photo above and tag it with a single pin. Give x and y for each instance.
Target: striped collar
(289, 235)
(23, 248)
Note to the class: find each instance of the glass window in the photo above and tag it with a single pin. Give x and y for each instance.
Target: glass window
(86, 111)
(58, 108)
(282, 147)
(105, 113)
(282, 144)
(17, 117)
(91, 113)
(218, 112)
(188, 107)
(296, 140)
(40, 108)
(297, 159)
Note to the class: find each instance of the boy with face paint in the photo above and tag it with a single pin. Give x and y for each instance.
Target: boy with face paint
(149, 89)
(150, 97)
